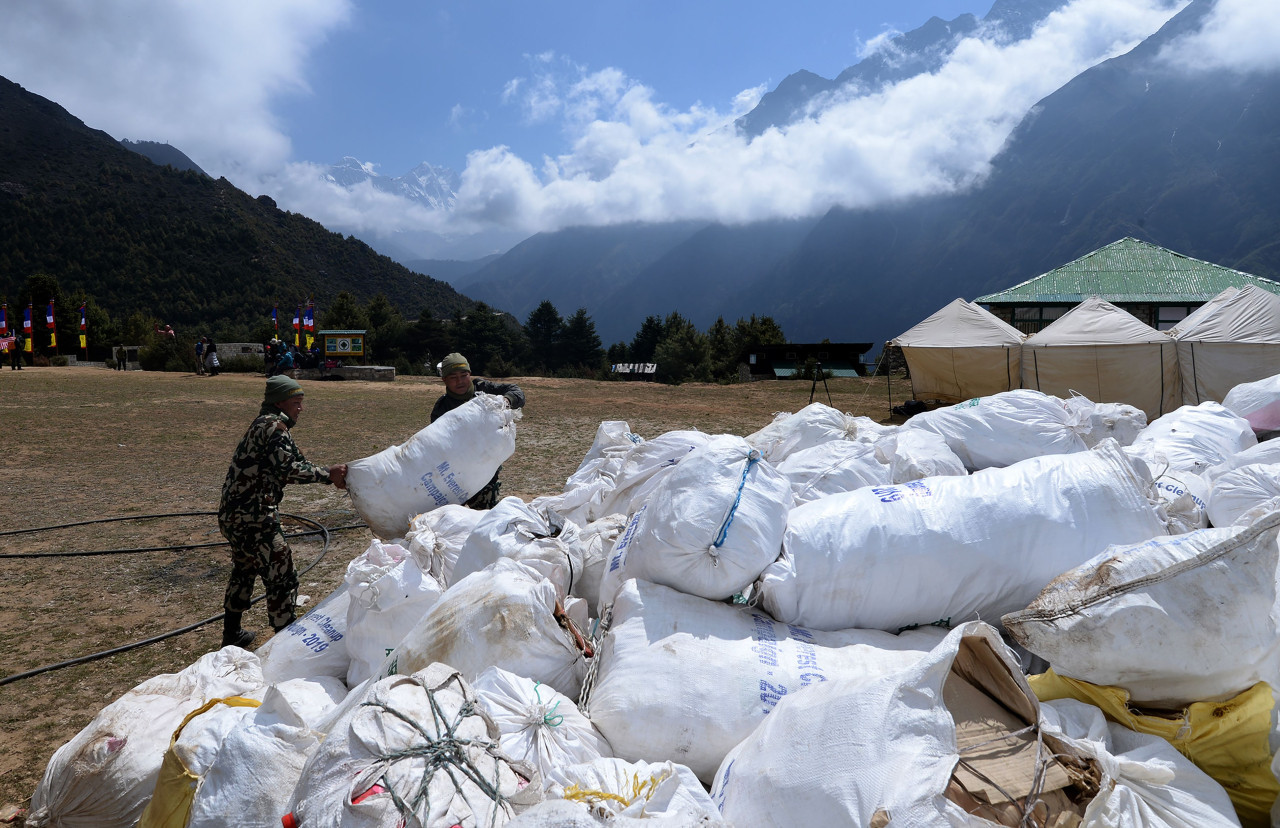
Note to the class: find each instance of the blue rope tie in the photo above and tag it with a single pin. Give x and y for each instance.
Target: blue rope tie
(753, 457)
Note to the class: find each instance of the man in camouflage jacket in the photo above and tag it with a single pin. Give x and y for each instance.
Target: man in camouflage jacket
(248, 514)
(461, 387)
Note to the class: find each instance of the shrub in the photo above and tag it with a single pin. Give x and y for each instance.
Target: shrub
(244, 364)
(58, 361)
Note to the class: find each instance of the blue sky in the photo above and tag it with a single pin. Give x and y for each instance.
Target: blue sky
(562, 114)
(402, 83)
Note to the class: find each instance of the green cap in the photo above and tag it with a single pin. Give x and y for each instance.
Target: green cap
(281, 388)
(453, 363)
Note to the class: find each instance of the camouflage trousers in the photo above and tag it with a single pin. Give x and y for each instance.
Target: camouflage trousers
(261, 551)
(487, 497)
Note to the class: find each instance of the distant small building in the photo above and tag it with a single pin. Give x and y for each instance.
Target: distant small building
(1158, 286)
(839, 359)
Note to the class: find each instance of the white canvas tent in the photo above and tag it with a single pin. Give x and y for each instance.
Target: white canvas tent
(961, 352)
(1234, 338)
(1106, 354)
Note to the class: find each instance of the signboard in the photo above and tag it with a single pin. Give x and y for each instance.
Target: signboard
(344, 344)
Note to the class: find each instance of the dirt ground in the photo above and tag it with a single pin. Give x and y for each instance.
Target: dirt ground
(88, 444)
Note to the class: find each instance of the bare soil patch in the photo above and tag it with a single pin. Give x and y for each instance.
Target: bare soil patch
(84, 444)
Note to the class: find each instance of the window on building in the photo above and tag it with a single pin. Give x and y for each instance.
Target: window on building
(1169, 315)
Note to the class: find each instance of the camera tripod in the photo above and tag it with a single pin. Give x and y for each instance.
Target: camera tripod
(819, 375)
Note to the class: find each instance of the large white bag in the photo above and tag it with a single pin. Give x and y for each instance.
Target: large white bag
(644, 467)
(438, 536)
(422, 738)
(390, 594)
(843, 751)
(523, 532)
(1186, 498)
(955, 548)
(664, 794)
(313, 645)
(831, 468)
(1175, 620)
(847, 752)
(504, 616)
(914, 454)
(713, 524)
(537, 725)
(811, 426)
(446, 462)
(1193, 438)
(1095, 422)
(104, 776)
(596, 540)
(255, 765)
(684, 679)
(1266, 452)
(1243, 494)
(1004, 428)
(1258, 402)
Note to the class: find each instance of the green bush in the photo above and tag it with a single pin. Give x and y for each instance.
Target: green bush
(244, 364)
(58, 361)
(112, 364)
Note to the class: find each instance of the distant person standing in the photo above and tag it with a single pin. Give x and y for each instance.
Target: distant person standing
(15, 351)
(200, 357)
(460, 388)
(211, 357)
(122, 357)
(265, 461)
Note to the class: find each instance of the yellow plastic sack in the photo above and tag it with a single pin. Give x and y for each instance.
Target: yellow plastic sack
(170, 805)
(1227, 740)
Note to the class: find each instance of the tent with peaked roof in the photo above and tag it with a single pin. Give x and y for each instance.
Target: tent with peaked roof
(961, 352)
(1106, 354)
(1234, 338)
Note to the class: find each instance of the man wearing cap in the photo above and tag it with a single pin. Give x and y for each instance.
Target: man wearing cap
(266, 460)
(461, 387)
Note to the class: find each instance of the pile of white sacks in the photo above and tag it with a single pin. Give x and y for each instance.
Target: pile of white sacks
(826, 622)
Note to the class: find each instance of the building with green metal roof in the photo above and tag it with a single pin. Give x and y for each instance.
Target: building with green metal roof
(1158, 286)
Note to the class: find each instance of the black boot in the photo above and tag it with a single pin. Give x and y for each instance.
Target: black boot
(232, 635)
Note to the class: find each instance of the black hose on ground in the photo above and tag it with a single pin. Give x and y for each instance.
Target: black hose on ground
(319, 530)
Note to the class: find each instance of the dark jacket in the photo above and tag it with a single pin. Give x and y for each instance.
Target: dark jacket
(448, 402)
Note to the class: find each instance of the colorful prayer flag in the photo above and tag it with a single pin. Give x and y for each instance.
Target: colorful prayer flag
(4, 318)
(26, 327)
(84, 328)
(275, 322)
(48, 323)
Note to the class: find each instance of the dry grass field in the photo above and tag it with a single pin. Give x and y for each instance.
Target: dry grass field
(82, 444)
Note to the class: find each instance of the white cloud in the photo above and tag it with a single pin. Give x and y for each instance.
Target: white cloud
(1237, 35)
(201, 76)
(633, 158)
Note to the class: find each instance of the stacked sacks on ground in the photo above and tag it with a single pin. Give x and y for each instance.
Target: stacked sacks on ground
(509, 615)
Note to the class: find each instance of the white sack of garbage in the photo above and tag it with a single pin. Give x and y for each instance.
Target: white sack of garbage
(416, 750)
(507, 616)
(1173, 620)
(105, 775)
(523, 532)
(1258, 402)
(1095, 422)
(684, 679)
(914, 454)
(1186, 498)
(1193, 438)
(644, 467)
(1240, 495)
(957, 739)
(251, 768)
(537, 725)
(663, 794)
(1004, 428)
(1267, 452)
(711, 527)
(811, 426)
(446, 462)
(596, 540)
(390, 593)
(313, 645)
(437, 536)
(956, 548)
(831, 468)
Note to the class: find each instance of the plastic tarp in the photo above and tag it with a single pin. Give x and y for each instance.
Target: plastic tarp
(1234, 338)
(1106, 354)
(962, 351)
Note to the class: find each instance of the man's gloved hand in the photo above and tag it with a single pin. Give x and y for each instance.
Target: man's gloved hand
(513, 399)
